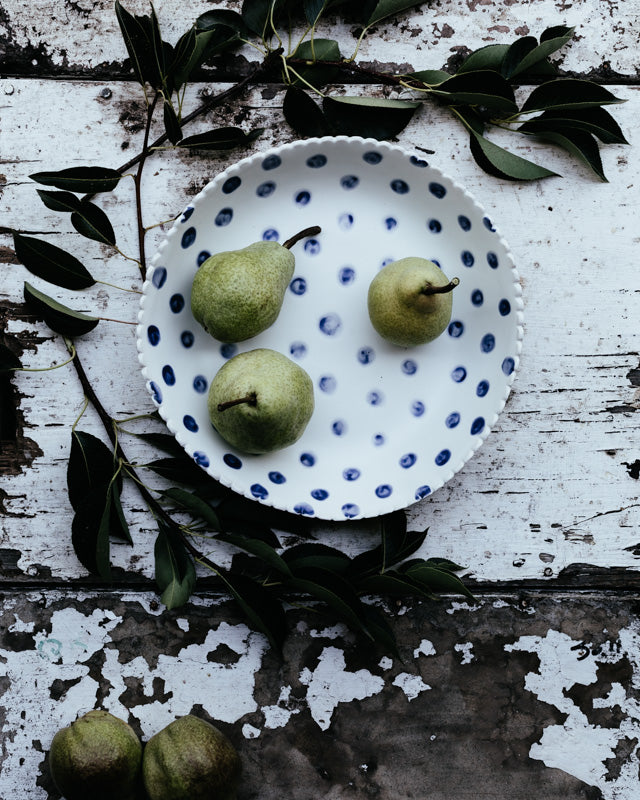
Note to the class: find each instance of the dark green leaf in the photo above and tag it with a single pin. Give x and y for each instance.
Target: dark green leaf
(91, 221)
(185, 59)
(195, 505)
(220, 139)
(568, 93)
(89, 180)
(436, 580)
(90, 534)
(90, 469)
(430, 77)
(497, 161)
(162, 51)
(444, 563)
(550, 41)
(220, 30)
(220, 17)
(165, 442)
(305, 117)
(597, 121)
(58, 317)
(51, 263)
(489, 57)
(9, 361)
(315, 52)
(380, 629)
(393, 584)
(313, 9)
(171, 123)
(517, 51)
(379, 118)
(59, 201)
(397, 544)
(314, 554)
(180, 470)
(263, 551)
(258, 14)
(377, 10)
(480, 88)
(136, 32)
(118, 526)
(262, 609)
(579, 144)
(175, 572)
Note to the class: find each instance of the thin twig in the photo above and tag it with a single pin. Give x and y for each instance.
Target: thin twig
(142, 263)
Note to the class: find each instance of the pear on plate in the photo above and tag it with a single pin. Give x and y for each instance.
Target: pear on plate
(237, 294)
(409, 301)
(260, 401)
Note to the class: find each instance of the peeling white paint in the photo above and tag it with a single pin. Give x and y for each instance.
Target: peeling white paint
(21, 627)
(457, 606)
(466, 650)
(386, 663)
(250, 732)
(277, 716)
(330, 684)
(425, 648)
(411, 685)
(333, 632)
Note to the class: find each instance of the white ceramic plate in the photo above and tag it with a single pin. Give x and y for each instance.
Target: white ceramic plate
(391, 425)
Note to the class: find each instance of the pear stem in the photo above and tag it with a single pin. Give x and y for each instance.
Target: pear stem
(440, 289)
(313, 231)
(250, 399)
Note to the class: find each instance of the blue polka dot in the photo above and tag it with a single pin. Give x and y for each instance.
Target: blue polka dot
(467, 258)
(436, 262)
(453, 420)
(270, 235)
(437, 190)
(508, 365)
(408, 460)
(488, 343)
(434, 225)
(455, 329)
(153, 335)
(271, 162)
(339, 427)
(346, 275)
(155, 391)
(266, 189)
(464, 222)
(303, 508)
(482, 388)
(409, 366)
(417, 408)
(232, 461)
(504, 307)
(384, 490)
(176, 303)
(327, 384)
(168, 375)
(418, 162)
(303, 197)
(378, 439)
(228, 349)
(385, 261)
(459, 374)
(315, 162)
(203, 255)
(390, 223)
(312, 247)
(330, 324)
(257, 490)
(477, 298)
(492, 260)
(224, 217)
(307, 459)
(372, 157)
(366, 355)
(200, 384)
(442, 457)
(159, 277)
(201, 459)
(399, 186)
(345, 221)
(298, 286)
(422, 491)
(319, 494)
(477, 426)
(488, 224)
(187, 338)
(189, 423)
(187, 213)
(188, 238)
(231, 184)
(277, 477)
(375, 398)
(351, 474)
(297, 349)
(349, 181)
(350, 510)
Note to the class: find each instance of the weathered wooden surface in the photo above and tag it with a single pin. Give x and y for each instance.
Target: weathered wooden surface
(523, 691)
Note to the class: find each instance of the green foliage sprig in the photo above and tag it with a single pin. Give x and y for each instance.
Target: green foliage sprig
(197, 514)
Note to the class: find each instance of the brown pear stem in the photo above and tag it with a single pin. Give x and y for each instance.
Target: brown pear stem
(441, 289)
(313, 231)
(250, 399)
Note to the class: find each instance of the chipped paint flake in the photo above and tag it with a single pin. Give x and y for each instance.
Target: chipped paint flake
(278, 715)
(425, 648)
(411, 685)
(466, 650)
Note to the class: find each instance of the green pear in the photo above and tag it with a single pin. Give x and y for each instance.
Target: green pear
(190, 759)
(99, 757)
(409, 301)
(260, 401)
(237, 294)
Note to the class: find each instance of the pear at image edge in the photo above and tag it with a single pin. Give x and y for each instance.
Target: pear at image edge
(260, 401)
(410, 301)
